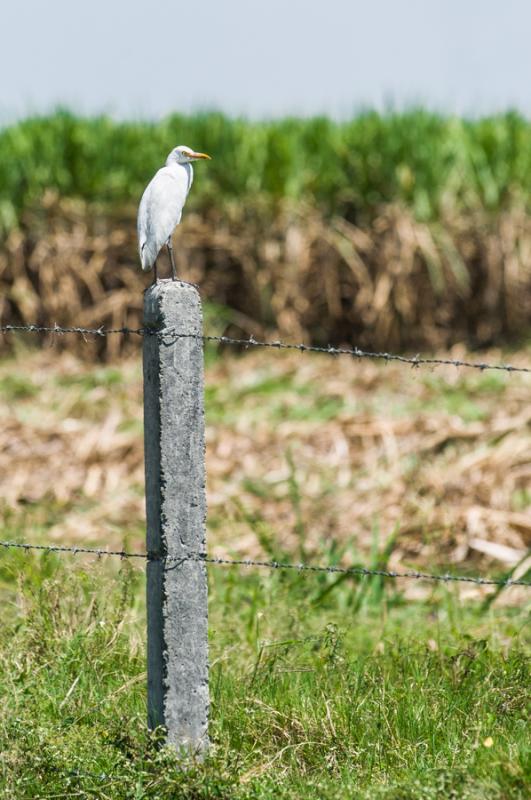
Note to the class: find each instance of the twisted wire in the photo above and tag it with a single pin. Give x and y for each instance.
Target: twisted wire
(356, 352)
(274, 565)
(414, 361)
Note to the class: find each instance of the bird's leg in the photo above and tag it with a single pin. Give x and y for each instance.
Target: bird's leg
(170, 251)
(155, 276)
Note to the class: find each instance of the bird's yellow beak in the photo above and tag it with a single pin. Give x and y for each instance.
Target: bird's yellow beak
(201, 155)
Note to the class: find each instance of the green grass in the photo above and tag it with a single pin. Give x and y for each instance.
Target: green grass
(431, 163)
(318, 690)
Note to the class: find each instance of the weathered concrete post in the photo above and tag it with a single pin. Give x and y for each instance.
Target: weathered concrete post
(176, 513)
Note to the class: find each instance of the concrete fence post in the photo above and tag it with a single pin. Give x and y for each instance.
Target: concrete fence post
(174, 443)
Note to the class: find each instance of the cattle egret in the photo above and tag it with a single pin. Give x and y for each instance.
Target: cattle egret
(162, 205)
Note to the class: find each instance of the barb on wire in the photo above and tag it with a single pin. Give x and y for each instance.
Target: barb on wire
(356, 352)
(354, 571)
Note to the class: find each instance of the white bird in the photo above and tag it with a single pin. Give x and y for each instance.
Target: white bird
(162, 205)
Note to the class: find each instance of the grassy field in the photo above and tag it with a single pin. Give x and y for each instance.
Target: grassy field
(357, 688)
(349, 693)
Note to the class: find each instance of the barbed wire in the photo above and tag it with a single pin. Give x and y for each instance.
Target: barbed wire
(356, 352)
(59, 330)
(365, 572)
(414, 361)
(74, 550)
(241, 562)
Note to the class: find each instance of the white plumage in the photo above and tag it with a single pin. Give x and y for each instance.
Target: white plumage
(161, 206)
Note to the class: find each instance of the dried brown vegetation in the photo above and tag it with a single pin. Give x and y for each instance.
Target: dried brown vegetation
(302, 452)
(395, 283)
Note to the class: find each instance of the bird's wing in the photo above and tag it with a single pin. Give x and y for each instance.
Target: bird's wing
(159, 212)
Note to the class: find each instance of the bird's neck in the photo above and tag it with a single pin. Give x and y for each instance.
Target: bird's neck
(178, 168)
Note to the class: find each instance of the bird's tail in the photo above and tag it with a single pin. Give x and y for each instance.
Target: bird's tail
(145, 257)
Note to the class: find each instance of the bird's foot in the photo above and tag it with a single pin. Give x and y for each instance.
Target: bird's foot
(188, 283)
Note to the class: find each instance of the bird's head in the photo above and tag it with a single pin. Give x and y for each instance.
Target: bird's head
(184, 155)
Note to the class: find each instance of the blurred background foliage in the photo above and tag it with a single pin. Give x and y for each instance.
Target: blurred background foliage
(391, 230)
(431, 163)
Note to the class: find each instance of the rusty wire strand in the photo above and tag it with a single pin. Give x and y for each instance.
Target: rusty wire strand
(330, 569)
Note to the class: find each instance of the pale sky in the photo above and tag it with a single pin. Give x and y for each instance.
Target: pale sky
(147, 59)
